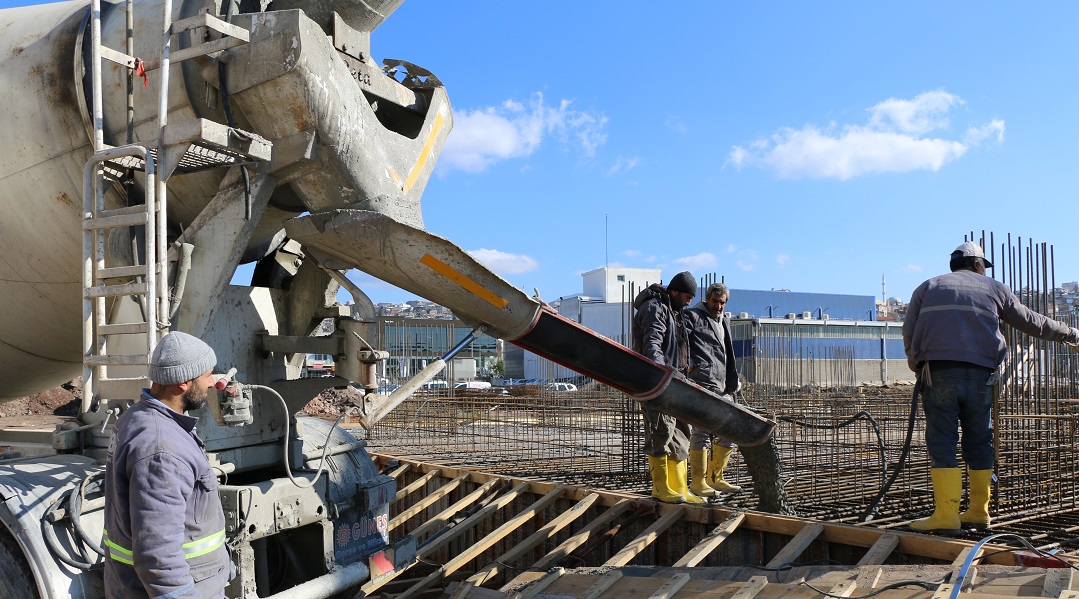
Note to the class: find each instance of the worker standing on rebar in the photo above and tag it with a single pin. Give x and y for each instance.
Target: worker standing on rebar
(660, 335)
(954, 343)
(712, 366)
(164, 525)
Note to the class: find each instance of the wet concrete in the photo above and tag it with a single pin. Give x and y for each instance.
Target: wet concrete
(764, 466)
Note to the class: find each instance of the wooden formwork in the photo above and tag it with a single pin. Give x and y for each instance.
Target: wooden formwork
(484, 535)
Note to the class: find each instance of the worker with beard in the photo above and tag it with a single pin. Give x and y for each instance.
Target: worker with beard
(660, 335)
(164, 526)
(712, 366)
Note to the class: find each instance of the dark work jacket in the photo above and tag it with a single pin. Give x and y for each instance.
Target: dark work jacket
(164, 525)
(711, 350)
(957, 317)
(658, 332)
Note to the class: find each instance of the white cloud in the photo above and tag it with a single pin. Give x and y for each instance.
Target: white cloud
(486, 136)
(894, 140)
(975, 135)
(623, 164)
(914, 268)
(677, 124)
(632, 253)
(505, 263)
(926, 112)
(699, 261)
(782, 259)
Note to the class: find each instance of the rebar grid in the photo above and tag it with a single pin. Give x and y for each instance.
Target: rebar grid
(592, 437)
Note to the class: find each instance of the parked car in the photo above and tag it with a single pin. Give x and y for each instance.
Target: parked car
(561, 387)
(475, 385)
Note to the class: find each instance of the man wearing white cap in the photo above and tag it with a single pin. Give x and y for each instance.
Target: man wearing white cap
(164, 525)
(953, 342)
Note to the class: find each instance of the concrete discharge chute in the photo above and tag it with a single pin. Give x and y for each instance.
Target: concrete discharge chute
(435, 268)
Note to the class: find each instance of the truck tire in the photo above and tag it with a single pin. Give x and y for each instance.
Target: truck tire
(16, 581)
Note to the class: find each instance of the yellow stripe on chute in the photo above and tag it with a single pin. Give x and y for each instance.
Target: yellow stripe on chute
(424, 154)
(450, 273)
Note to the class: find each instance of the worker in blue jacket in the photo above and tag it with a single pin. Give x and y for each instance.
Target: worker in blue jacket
(164, 526)
(953, 340)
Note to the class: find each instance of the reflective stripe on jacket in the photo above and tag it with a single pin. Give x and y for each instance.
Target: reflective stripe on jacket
(164, 525)
(957, 316)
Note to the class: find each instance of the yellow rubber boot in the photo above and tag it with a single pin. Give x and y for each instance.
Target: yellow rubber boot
(698, 465)
(720, 457)
(661, 489)
(947, 490)
(677, 479)
(977, 515)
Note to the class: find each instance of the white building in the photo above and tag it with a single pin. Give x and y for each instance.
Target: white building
(613, 284)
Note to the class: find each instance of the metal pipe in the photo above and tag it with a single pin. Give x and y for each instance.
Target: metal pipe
(328, 584)
(381, 405)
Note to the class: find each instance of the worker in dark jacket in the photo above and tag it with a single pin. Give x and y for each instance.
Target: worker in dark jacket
(712, 366)
(953, 342)
(164, 526)
(659, 335)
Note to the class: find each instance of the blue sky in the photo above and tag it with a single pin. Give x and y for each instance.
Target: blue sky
(810, 146)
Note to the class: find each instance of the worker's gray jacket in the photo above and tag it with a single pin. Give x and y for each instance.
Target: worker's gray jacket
(164, 526)
(711, 350)
(957, 317)
(657, 331)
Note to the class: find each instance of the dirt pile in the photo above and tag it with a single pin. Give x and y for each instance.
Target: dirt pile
(65, 400)
(59, 401)
(332, 402)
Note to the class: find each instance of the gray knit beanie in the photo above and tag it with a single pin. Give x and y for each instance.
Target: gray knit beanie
(683, 282)
(179, 358)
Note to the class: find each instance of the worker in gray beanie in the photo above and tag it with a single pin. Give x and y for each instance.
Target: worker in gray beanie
(164, 525)
(179, 358)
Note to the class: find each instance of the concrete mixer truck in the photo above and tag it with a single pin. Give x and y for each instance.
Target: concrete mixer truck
(150, 148)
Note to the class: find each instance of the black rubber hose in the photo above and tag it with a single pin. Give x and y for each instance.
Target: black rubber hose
(875, 505)
(74, 510)
(53, 543)
(223, 89)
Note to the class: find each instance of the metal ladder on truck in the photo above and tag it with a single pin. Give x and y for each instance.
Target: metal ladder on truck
(194, 145)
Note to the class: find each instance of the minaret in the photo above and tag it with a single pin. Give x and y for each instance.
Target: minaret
(883, 294)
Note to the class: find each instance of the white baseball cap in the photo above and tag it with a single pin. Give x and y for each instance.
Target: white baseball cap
(973, 250)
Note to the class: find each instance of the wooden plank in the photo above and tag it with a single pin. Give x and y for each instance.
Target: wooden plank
(972, 572)
(843, 589)
(485, 543)
(521, 549)
(540, 585)
(1057, 581)
(797, 545)
(425, 502)
(646, 538)
(462, 590)
(671, 587)
(868, 578)
(944, 591)
(1069, 594)
(580, 538)
(442, 518)
(709, 543)
(600, 586)
(445, 515)
(416, 484)
(880, 550)
(474, 519)
(750, 589)
(403, 468)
